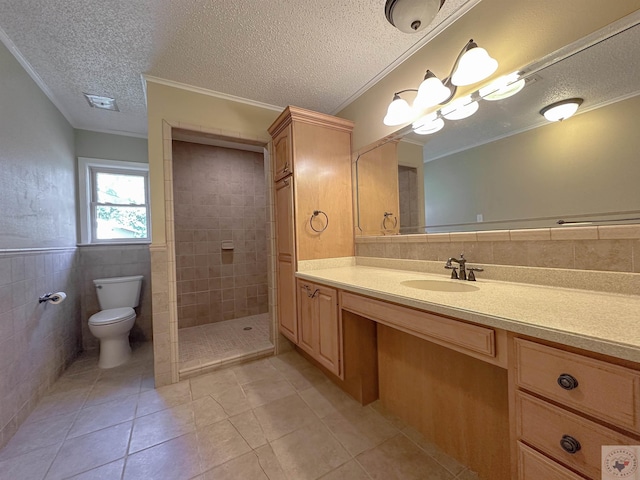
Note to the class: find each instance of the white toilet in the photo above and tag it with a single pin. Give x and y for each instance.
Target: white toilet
(117, 297)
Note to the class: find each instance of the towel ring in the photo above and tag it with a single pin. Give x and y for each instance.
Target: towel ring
(387, 216)
(315, 214)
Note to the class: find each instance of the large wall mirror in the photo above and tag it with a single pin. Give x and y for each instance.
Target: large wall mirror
(507, 167)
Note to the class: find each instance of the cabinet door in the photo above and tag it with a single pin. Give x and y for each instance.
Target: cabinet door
(287, 319)
(283, 153)
(329, 338)
(284, 219)
(307, 338)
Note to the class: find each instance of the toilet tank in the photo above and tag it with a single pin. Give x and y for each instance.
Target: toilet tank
(118, 292)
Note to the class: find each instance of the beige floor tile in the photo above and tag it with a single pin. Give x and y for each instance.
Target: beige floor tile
(212, 383)
(448, 462)
(232, 400)
(247, 424)
(110, 471)
(89, 451)
(111, 387)
(349, 471)
(283, 416)
(270, 463)
(309, 452)
(246, 467)
(305, 378)
(95, 418)
(400, 459)
(176, 459)
(60, 403)
(164, 397)
(161, 426)
(261, 392)
(254, 371)
(218, 443)
(34, 435)
(207, 411)
(359, 429)
(32, 465)
(325, 399)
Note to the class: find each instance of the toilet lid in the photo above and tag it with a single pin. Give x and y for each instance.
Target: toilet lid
(113, 315)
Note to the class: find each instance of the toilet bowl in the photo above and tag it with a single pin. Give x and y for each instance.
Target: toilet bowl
(117, 297)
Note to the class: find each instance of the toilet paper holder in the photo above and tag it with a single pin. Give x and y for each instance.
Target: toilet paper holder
(51, 297)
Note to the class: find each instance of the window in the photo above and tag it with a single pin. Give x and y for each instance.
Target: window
(114, 201)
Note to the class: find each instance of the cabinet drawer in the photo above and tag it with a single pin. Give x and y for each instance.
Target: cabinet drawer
(544, 426)
(533, 465)
(474, 340)
(603, 390)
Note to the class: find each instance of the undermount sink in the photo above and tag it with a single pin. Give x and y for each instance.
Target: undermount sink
(441, 285)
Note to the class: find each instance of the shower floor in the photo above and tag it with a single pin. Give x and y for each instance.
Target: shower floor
(207, 347)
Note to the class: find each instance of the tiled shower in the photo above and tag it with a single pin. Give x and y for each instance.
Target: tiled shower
(220, 211)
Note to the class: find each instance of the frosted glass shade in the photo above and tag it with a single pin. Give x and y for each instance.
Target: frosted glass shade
(475, 65)
(399, 112)
(431, 92)
(428, 124)
(503, 87)
(556, 112)
(461, 108)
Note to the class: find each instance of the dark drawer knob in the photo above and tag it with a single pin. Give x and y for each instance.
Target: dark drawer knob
(567, 382)
(570, 444)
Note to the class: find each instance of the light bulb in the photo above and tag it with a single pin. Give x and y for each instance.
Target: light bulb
(503, 87)
(556, 112)
(431, 92)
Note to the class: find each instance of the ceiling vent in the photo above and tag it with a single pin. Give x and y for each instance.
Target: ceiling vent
(106, 103)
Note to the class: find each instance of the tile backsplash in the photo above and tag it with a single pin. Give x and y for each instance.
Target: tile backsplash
(609, 248)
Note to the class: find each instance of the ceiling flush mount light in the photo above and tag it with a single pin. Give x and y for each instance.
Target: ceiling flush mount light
(410, 16)
(556, 112)
(472, 65)
(105, 103)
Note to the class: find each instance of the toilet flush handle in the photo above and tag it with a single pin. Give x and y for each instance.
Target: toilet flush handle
(98, 286)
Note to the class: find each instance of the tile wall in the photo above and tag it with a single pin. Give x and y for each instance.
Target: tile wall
(37, 341)
(115, 261)
(408, 188)
(219, 196)
(603, 248)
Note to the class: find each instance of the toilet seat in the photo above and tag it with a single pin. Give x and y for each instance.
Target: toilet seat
(112, 315)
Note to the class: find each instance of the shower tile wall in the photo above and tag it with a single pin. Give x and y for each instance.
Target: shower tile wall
(219, 195)
(408, 189)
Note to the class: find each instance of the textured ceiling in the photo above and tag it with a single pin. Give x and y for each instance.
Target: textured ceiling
(315, 55)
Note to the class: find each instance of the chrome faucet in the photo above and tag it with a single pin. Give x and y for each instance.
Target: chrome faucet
(463, 270)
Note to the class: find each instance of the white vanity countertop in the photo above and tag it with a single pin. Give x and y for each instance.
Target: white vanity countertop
(600, 322)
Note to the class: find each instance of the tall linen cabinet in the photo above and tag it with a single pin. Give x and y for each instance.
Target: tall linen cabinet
(313, 201)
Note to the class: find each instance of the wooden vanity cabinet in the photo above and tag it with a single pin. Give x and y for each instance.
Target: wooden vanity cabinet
(566, 406)
(320, 332)
(312, 170)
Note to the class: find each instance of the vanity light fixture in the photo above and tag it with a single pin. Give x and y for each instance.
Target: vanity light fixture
(411, 16)
(472, 65)
(503, 87)
(460, 108)
(558, 111)
(428, 124)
